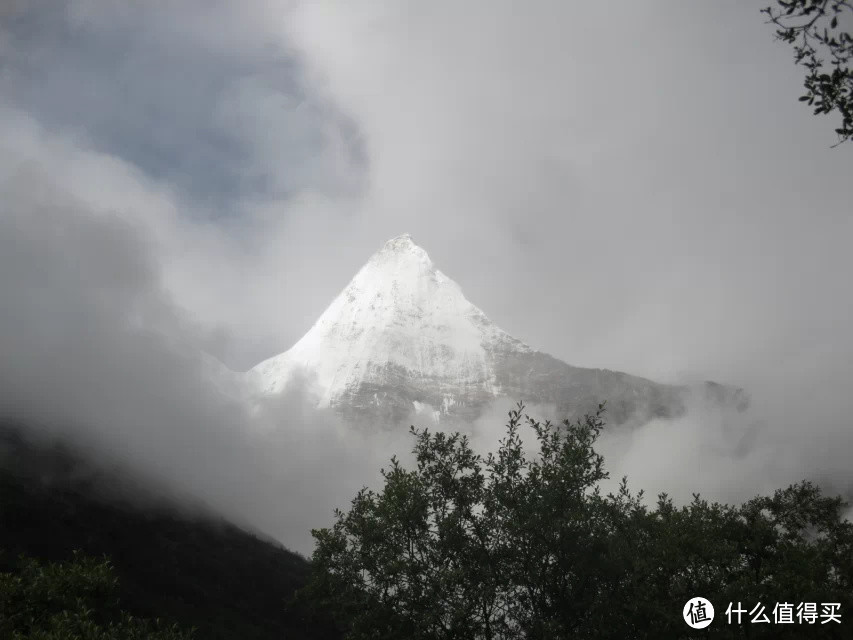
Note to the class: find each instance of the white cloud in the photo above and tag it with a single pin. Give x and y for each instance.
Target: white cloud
(631, 187)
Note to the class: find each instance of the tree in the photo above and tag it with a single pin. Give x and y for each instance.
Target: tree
(825, 49)
(511, 546)
(69, 601)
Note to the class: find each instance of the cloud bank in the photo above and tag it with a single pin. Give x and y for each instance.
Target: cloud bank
(177, 181)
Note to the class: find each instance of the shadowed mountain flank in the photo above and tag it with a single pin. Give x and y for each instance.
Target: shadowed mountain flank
(195, 569)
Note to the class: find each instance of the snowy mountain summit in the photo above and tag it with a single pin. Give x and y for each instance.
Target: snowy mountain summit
(402, 339)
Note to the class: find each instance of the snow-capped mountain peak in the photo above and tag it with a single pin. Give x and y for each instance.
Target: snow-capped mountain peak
(401, 338)
(398, 318)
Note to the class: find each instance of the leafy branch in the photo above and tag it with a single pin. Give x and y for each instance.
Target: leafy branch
(825, 49)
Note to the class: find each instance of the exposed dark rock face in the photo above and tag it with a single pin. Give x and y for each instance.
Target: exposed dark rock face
(534, 378)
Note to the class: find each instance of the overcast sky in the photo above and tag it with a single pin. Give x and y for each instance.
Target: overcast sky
(623, 185)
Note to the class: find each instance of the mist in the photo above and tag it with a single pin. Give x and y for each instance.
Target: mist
(661, 205)
(95, 354)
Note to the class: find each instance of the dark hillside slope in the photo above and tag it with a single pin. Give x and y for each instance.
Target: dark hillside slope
(196, 571)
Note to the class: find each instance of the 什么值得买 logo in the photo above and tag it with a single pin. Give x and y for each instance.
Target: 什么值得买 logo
(698, 613)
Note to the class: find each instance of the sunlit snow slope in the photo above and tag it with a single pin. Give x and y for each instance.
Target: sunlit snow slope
(401, 338)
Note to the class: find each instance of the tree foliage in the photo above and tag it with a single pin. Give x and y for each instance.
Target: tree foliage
(69, 601)
(815, 28)
(517, 546)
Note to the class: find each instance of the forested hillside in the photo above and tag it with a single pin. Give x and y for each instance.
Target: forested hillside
(195, 570)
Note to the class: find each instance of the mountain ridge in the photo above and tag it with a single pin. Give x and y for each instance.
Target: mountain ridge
(401, 339)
